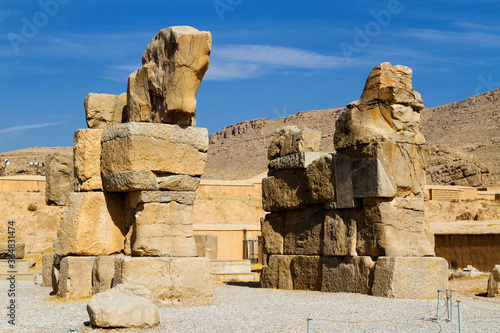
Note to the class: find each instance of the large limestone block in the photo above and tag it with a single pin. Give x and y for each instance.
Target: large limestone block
(292, 272)
(343, 187)
(494, 282)
(340, 233)
(178, 183)
(387, 170)
(123, 306)
(92, 224)
(59, 178)
(290, 140)
(388, 110)
(16, 249)
(164, 230)
(347, 274)
(407, 277)
(393, 228)
(87, 159)
(75, 277)
(173, 281)
(297, 188)
(286, 189)
(164, 89)
(47, 263)
(297, 231)
(134, 154)
(102, 110)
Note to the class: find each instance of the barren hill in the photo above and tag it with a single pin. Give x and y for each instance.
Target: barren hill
(467, 131)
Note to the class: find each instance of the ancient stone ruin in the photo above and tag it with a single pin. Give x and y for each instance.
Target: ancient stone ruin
(353, 221)
(137, 167)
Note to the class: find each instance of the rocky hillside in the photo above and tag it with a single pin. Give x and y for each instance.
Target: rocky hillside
(465, 135)
(20, 160)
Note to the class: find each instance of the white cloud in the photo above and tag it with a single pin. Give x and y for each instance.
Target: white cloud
(231, 70)
(486, 40)
(26, 127)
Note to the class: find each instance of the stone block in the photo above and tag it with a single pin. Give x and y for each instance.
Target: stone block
(103, 110)
(122, 307)
(173, 281)
(206, 245)
(320, 179)
(287, 189)
(343, 188)
(181, 197)
(134, 154)
(294, 231)
(47, 263)
(340, 233)
(297, 160)
(18, 250)
(92, 224)
(87, 159)
(493, 288)
(394, 227)
(75, 277)
(164, 230)
(347, 274)
(103, 273)
(292, 272)
(164, 89)
(59, 178)
(290, 140)
(410, 277)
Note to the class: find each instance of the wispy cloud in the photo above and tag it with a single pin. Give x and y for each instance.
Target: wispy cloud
(240, 61)
(27, 127)
(482, 39)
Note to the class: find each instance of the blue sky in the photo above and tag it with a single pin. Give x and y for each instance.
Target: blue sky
(269, 58)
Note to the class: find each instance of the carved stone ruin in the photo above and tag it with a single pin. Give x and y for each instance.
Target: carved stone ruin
(353, 221)
(137, 167)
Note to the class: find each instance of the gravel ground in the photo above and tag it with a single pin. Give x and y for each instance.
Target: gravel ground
(244, 308)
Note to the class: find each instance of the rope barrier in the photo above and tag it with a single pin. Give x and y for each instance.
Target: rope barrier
(289, 328)
(475, 307)
(377, 321)
(478, 298)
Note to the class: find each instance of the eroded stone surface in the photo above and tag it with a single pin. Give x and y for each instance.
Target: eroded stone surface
(59, 178)
(87, 159)
(164, 88)
(102, 110)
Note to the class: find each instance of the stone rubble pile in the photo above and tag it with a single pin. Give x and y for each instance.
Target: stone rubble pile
(137, 168)
(354, 221)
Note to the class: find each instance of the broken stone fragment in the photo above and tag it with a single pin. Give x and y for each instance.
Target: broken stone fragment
(164, 89)
(102, 110)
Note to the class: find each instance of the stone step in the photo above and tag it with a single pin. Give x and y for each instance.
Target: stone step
(21, 266)
(240, 277)
(231, 266)
(19, 277)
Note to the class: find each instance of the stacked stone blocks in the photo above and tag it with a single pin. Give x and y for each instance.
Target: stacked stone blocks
(137, 168)
(353, 221)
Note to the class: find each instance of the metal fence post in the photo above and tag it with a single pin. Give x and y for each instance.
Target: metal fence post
(451, 305)
(459, 318)
(309, 325)
(439, 298)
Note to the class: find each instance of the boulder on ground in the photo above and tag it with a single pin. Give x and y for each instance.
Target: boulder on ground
(494, 282)
(75, 277)
(122, 307)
